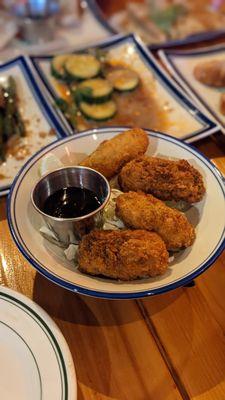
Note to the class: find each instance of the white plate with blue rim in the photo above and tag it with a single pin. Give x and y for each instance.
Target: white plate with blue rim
(42, 124)
(183, 118)
(181, 65)
(35, 360)
(50, 260)
(113, 25)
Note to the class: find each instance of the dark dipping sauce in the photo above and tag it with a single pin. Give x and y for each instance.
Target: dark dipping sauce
(71, 202)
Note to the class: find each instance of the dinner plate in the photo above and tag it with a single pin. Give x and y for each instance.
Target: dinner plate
(42, 123)
(190, 39)
(35, 360)
(185, 121)
(48, 259)
(181, 65)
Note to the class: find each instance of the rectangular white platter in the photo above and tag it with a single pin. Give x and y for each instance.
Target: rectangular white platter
(186, 121)
(42, 123)
(181, 65)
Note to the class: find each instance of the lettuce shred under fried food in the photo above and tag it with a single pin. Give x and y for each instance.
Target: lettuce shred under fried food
(111, 221)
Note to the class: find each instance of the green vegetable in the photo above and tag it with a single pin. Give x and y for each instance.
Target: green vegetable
(167, 17)
(12, 111)
(95, 90)
(2, 154)
(71, 114)
(20, 124)
(2, 98)
(81, 93)
(98, 112)
(82, 66)
(10, 96)
(11, 89)
(69, 110)
(11, 122)
(57, 66)
(62, 104)
(123, 80)
(9, 129)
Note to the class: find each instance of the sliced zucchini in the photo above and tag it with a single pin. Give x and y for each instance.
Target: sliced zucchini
(98, 112)
(123, 79)
(82, 66)
(95, 90)
(57, 66)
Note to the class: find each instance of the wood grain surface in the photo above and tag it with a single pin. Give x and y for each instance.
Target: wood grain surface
(168, 347)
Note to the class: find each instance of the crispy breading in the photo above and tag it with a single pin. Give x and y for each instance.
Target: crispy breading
(112, 154)
(143, 211)
(211, 73)
(164, 179)
(124, 255)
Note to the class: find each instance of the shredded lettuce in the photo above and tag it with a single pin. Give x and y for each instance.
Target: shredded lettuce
(71, 252)
(110, 220)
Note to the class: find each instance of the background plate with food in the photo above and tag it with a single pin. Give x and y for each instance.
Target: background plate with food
(118, 82)
(27, 121)
(103, 254)
(201, 74)
(163, 23)
(29, 337)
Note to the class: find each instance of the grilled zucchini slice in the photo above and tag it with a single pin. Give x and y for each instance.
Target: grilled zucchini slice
(57, 66)
(95, 90)
(98, 112)
(123, 79)
(82, 66)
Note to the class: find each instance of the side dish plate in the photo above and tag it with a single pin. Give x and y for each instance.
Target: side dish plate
(28, 338)
(42, 124)
(181, 65)
(190, 39)
(184, 120)
(49, 259)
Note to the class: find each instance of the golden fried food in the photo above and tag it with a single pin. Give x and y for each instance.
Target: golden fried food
(143, 211)
(123, 254)
(164, 179)
(211, 73)
(111, 155)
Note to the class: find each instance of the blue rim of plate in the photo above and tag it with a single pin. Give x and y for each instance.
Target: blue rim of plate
(44, 106)
(9, 296)
(191, 39)
(168, 56)
(119, 295)
(208, 126)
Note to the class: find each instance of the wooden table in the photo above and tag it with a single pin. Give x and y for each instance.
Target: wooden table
(168, 347)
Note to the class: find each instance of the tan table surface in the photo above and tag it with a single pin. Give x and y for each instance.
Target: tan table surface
(168, 347)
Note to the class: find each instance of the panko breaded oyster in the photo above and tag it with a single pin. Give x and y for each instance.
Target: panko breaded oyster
(124, 255)
(164, 179)
(143, 211)
(211, 73)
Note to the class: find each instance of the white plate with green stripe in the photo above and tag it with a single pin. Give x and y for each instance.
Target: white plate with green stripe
(35, 360)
